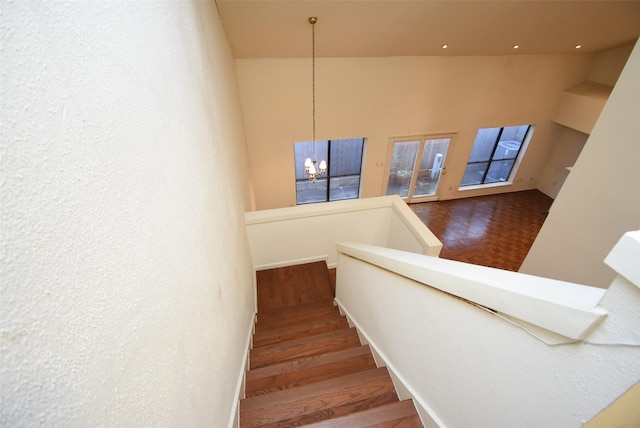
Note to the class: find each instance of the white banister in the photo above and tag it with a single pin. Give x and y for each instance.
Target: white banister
(561, 307)
(625, 257)
(546, 353)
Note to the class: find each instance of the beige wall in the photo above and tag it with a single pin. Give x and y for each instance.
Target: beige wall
(608, 65)
(568, 143)
(599, 200)
(126, 284)
(380, 98)
(567, 148)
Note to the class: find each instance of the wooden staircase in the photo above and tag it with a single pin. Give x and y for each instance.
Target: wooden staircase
(308, 366)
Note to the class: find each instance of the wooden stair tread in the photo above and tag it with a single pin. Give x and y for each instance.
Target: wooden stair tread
(303, 347)
(266, 322)
(407, 422)
(293, 285)
(402, 413)
(366, 389)
(308, 362)
(314, 390)
(300, 307)
(304, 371)
(334, 412)
(308, 366)
(276, 335)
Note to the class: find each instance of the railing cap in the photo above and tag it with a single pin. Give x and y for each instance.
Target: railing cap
(624, 258)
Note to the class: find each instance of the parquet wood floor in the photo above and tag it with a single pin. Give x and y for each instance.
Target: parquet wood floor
(495, 231)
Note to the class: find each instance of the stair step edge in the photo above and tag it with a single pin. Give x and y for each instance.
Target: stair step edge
(293, 349)
(295, 377)
(308, 362)
(266, 337)
(342, 401)
(406, 422)
(376, 415)
(301, 307)
(314, 389)
(268, 328)
(297, 317)
(327, 336)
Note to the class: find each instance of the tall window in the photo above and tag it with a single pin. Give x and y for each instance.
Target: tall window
(494, 154)
(344, 166)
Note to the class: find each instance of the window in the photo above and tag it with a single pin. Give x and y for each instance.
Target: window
(494, 154)
(344, 166)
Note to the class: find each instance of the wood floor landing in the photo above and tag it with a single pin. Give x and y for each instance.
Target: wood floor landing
(307, 366)
(293, 285)
(495, 230)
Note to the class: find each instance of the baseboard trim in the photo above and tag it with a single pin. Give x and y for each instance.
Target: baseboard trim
(292, 262)
(234, 420)
(427, 415)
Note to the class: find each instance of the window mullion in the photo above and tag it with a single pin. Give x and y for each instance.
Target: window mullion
(493, 152)
(522, 142)
(347, 186)
(328, 170)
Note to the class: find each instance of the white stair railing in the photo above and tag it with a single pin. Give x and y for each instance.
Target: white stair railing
(474, 346)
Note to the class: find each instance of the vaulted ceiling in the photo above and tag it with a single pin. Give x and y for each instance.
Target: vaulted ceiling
(365, 28)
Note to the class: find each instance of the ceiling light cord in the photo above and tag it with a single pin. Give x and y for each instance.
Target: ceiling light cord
(310, 165)
(313, 21)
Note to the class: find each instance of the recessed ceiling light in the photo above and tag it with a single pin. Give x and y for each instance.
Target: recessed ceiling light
(516, 46)
(445, 46)
(578, 46)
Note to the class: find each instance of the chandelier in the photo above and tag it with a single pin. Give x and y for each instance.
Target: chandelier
(311, 166)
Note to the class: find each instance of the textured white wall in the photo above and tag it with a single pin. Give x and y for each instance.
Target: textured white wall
(126, 281)
(599, 200)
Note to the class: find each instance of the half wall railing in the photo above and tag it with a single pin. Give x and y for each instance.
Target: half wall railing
(306, 233)
(476, 346)
(472, 346)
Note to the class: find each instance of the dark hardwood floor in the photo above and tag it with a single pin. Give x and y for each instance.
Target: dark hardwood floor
(293, 285)
(495, 231)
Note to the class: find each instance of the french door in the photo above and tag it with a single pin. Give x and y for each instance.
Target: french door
(417, 164)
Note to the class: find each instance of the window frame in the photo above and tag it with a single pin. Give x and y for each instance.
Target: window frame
(514, 167)
(328, 177)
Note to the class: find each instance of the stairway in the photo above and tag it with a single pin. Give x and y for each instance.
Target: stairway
(308, 366)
